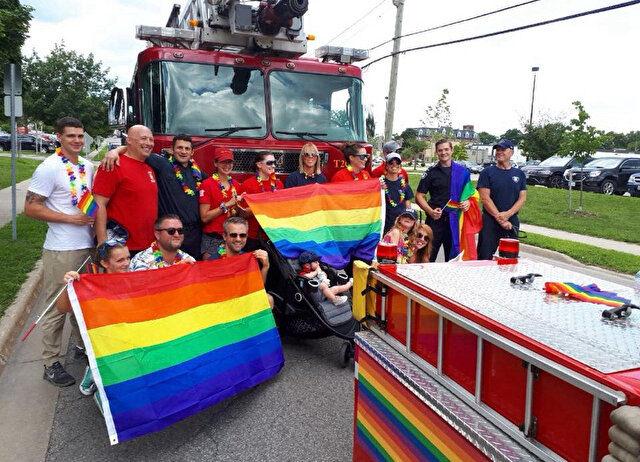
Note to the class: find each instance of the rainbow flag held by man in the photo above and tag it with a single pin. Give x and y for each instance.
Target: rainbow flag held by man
(464, 225)
(337, 221)
(590, 293)
(88, 205)
(168, 343)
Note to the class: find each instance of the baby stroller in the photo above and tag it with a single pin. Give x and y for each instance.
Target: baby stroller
(300, 308)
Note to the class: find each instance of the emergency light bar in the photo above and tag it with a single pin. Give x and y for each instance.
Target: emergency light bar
(341, 54)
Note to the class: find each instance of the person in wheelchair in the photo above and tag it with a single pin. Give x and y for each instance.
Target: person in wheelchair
(310, 269)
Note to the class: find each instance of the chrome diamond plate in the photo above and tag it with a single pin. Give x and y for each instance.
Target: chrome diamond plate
(476, 429)
(573, 328)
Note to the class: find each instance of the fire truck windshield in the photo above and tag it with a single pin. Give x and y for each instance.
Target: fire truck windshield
(328, 104)
(180, 97)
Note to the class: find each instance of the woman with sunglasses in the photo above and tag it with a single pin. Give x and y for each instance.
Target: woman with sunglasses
(264, 180)
(420, 244)
(309, 168)
(218, 199)
(356, 158)
(397, 191)
(400, 234)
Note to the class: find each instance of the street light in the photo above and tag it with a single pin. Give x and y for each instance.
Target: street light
(533, 93)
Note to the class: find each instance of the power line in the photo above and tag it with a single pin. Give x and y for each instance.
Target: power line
(507, 31)
(454, 23)
(358, 20)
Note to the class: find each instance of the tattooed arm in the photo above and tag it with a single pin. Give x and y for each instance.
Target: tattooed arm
(34, 207)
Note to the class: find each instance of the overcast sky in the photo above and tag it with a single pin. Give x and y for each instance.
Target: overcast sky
(592, 59)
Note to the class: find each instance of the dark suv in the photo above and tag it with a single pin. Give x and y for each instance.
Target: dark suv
(26, 143)
(608, 175)
(549, 172)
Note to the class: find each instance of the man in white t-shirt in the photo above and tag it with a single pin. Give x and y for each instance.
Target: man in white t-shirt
(56, 190)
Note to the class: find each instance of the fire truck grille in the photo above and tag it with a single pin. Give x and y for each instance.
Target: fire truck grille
(286, 161)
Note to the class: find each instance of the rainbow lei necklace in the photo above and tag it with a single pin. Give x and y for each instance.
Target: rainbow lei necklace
(157, 256)
(403, 187)
(272, 182)
(68, 165)
(365, 175)
(224, 191)
(222, 251)
(195, 171)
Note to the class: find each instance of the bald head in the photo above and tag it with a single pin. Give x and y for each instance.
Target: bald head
(139, 142)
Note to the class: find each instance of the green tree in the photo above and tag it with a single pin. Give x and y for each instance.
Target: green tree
(14, 25)
(67, 83)
(543, 141)
(460, 152)
(487, 138)
(514, 135)
(581, 141)
(408, 136)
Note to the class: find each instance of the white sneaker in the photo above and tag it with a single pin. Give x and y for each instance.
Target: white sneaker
(340, 299)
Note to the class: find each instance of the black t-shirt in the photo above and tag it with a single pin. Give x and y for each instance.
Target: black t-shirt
(436, 182)
(300, 179)
(393, 190)
(171, 196)
(505, 185)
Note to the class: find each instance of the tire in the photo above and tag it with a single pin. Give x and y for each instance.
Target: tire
(302, 327)
(555, 181)
(608, 187)
(346, 353)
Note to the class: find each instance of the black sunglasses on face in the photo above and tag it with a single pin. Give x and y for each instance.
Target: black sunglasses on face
(269, 163)
(422, 236)
(394, 161)
(363, 156)
(172, 231)
(310, 154)
(237, 235)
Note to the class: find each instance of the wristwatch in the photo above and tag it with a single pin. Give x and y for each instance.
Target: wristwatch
(224, 207)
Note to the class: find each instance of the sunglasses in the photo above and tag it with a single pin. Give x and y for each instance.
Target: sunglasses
(269, 163)
(394, 161)
(172, 231)
(237, 235)
(310, 154)
(422, 236)
(108, 244)
(363, 156)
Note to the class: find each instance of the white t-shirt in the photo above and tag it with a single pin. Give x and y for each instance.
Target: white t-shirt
(52, 181)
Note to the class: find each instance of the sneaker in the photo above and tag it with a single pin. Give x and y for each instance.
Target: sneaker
(57, 375)
(79, 352)
(98, 400)
(339, 300)
(87, 385)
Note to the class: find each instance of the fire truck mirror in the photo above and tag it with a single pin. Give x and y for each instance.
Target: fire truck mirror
(240, 81)
(117, 108)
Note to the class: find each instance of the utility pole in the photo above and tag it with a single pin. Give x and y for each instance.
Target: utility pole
(393, 79)
(534, 69)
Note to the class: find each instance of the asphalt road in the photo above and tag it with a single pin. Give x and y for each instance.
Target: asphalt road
(305, 413)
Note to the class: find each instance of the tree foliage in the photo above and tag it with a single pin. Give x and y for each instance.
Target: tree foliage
(439, 114)
(67, 83)
(459, 152)
(542, 141)
(514, 135)
(14, 26)
(487, 138)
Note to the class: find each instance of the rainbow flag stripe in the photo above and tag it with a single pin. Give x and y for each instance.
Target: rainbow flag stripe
(88, 205)
(590, 293)
(337, 221)
(464, 225)
(171, 342)
(394, 425)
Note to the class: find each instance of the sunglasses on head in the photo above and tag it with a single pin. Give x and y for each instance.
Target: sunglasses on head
(108, 244)
(172, 231)
(310, 154)
(237, 235)
(269, 163)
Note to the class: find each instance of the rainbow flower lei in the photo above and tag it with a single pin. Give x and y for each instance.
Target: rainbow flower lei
(272, 182)
(365, 175)
(224, 191)
(195, 171)
(403, 187)
(68, 165)
(222, 251)
(157, 256)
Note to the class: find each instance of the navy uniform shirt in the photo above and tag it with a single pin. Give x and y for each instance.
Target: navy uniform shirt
(436, 181)
(391, 213)
(300, 179)
(504, 186)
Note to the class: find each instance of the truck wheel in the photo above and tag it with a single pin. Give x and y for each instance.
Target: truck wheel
(555, 181)
(608, 187)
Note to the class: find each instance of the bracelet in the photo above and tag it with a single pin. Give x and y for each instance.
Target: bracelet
(223, 207)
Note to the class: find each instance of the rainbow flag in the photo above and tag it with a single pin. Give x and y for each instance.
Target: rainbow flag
(165, 344)
(337, 221)
(464, 225)
(590, 293)
(392, 424)
(88, 205)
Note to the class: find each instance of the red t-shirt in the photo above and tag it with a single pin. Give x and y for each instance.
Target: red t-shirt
(210, 193)
(133, 199)
(380, 170)
(346, 175)
(251, 186)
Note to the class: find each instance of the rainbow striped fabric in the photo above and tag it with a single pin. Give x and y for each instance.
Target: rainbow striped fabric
(391, 424)
(88, 205)
(168, 343)
(337, 221)
(464, 225)
(590, 293)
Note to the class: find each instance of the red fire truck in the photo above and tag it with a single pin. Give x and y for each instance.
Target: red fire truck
(230, 73)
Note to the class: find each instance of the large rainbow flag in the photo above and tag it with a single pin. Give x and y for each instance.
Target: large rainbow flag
(590, 293)
(337, 221)
(464, 225)
(165, 344)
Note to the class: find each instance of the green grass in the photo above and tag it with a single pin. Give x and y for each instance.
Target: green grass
(101, 152)
(589, 255)
(24, 170)
(18, 257)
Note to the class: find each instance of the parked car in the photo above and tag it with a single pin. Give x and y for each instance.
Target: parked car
(608, 175)
(633, 184)
(472, 166)
(28, 143)
(549, 172)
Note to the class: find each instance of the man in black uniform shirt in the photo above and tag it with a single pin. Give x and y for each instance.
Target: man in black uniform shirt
(437, 182)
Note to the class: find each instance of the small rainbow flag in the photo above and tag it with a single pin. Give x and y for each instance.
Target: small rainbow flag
(590, 293)
(451, 204)
(337, 221)
(171, 342)
(88, 205)
(392, 424)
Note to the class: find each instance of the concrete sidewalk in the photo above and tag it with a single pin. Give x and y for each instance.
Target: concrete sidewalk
(626, 247)
(5, 201)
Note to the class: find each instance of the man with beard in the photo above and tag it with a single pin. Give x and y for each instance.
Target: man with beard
(165, 250)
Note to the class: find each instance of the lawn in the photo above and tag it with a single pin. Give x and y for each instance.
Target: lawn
(18, 257)
(101, 152)
(24, 170)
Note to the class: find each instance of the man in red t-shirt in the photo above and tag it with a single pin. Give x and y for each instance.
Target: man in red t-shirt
(388, 148)
(129, 194)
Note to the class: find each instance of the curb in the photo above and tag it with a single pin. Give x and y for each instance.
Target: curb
(14, 318)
